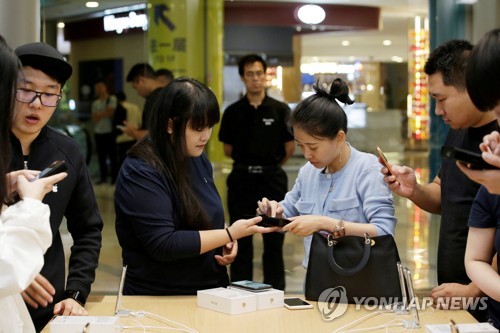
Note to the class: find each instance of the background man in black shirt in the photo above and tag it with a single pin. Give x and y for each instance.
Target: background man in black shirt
(254, 132)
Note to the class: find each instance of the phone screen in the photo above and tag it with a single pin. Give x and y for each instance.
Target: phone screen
(268, 221)
(295, 302)
(251, 285)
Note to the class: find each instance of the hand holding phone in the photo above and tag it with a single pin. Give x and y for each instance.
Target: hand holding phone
(268, 221)
(54, 168)
(295, 303)
(471, 159)
(384, 160)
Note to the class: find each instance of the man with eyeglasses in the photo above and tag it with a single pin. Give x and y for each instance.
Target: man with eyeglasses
(255, 135)
(35, 145)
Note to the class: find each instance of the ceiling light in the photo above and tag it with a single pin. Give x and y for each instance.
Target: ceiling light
(311, 14)
(61, 25)
(346, 43)
(92, 4)
(397, 59)
(387, 42)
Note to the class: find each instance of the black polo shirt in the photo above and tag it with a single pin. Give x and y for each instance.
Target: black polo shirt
(457, 194)
(257, 135)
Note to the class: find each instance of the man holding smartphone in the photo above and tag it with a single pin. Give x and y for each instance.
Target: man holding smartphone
(35, 146)
(451, 193)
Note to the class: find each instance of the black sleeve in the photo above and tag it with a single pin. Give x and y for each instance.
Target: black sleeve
(225, 130)
(85, 225)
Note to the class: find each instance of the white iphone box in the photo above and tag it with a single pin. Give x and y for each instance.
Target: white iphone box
(229, 301)
(267, 299)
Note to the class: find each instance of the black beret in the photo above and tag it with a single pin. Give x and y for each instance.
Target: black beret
(46, 58)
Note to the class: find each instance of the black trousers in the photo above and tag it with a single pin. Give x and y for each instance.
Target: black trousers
(106, 149)
(244, 190)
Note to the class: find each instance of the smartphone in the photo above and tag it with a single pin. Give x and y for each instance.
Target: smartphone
(268, 221)
(54, 168)
(295, 303)
(384, 160)
(471, 159)
(251, 285)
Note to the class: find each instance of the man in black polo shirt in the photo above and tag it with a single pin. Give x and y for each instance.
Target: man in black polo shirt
(144, 81)
(451, 193)
(254, 132)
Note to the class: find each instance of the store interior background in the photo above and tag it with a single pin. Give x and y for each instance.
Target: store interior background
(385, 80)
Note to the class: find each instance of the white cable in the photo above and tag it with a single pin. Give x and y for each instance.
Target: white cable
(169, 321)
(142, 313)
(365, 317)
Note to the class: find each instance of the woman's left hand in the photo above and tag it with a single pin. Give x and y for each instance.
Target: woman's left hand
(303, 225)
(229, 252)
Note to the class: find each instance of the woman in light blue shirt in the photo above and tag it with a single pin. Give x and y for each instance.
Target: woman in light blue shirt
(340, 190)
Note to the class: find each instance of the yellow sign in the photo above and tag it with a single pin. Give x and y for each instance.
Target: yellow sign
(176, 41)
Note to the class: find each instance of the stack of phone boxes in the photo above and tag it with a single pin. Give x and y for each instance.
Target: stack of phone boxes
(236, 300)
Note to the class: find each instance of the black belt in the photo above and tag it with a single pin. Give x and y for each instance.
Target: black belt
(256, 168)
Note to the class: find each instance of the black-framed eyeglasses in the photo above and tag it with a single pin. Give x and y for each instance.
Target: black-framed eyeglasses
(28, 96)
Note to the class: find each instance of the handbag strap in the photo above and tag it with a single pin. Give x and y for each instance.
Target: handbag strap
(352, 270)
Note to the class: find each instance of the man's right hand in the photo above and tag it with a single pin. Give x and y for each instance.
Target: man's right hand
(404, 183)
(39, 292)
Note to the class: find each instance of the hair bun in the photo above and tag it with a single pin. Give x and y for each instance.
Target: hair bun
(340, 91)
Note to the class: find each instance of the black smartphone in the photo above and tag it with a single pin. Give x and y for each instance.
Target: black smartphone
(251, 285)
(295, 303)
(471, 159)
(54, 168)
(268, 221)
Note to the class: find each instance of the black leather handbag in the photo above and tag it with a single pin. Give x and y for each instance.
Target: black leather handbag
(364, 266)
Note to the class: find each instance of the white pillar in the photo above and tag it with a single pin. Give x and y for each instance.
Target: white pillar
(20, 21)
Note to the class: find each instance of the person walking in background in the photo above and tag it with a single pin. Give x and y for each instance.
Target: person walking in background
(103, 109)
(144, 81)
(340, 190)
(169, 215)
(164, 76)
(255, 135)
(451, 193)
(36, 145)
(24, 226)
(129, 113)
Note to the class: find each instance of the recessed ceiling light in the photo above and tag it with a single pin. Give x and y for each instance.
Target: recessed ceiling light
(346, 43)
(311, 14)
(92, 4)
(397, 59)
(387, 42)
(61, 25)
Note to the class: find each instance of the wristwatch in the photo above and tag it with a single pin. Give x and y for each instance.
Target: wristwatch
(76, 295)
